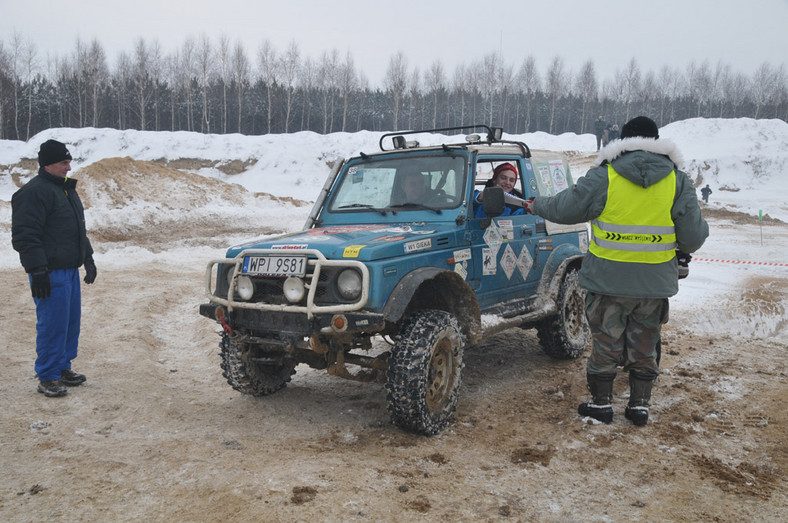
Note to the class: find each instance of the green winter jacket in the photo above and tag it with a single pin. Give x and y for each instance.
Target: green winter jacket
(643, 161)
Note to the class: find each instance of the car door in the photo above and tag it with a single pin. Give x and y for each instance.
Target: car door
(505, 249)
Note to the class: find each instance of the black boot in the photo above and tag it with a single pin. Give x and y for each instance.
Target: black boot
(72, 379)
(600, 407)
(639, 396)
(52, 388)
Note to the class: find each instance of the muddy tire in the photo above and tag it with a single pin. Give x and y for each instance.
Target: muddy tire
(424, 374)
(248, 376)
(566, 335)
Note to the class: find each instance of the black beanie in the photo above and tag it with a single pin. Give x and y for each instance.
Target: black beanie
(640, 126)
(51, 152)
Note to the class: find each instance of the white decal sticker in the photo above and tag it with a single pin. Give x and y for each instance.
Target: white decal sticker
(582, 241)
(506, 229)
(488, 264)
(290, 246)
(525, 262)
(463, 255)
(492, 237)
(508, 261)
(461, 269)
(558, 175)
(418, 245)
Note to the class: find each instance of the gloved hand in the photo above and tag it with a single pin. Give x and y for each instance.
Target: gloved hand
(40, 284)
(529, 206)
(90, 270)
(683, 259)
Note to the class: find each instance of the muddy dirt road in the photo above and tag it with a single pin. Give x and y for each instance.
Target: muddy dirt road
(156, 434)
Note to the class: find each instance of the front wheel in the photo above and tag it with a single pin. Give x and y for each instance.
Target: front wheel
(566, 335)
(247, 372)
(423, 378)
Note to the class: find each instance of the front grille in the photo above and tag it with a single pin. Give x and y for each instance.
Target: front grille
(269, 290)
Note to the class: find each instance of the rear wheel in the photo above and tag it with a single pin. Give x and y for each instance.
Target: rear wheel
(566, 335)
(423, 379)
(247, 372)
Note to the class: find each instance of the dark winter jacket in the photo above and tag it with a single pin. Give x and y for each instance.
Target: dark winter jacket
(644, 161)
(48, 224)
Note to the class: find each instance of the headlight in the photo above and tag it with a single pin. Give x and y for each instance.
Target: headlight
(293, 289)
(349, 284)
(245, 287)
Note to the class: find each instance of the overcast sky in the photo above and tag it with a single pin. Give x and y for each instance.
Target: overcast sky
(742, 34)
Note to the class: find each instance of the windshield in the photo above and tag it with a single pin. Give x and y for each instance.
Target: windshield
(401, 184)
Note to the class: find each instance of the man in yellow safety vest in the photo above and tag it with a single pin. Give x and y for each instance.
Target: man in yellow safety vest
(642, 209)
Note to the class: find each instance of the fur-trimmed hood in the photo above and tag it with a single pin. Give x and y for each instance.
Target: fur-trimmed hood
(618, 147)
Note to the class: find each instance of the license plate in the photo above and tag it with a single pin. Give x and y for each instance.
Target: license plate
(275, 265)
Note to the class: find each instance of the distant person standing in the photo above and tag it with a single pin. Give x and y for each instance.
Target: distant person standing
(48, 231)
(599, 131)
(613, 133)
(642, 208)
(705, 192)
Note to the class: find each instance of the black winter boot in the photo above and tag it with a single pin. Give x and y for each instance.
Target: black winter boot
(600, 407)
(639, 397)
(70, 378)
(52, 388)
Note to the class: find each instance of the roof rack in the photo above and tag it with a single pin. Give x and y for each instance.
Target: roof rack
(494, 135)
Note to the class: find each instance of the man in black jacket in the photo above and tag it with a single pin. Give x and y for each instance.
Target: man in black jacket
(48, 231)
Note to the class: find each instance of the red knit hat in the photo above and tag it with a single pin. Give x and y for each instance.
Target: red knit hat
(505, 167)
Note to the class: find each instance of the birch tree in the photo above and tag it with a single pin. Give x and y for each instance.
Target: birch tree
(436, 85)
(205, 70)
(266, 65)
(396, 81)
(223, 54)
(240, 67)
(556, 86)
(348, 84)
(588, 90)
(290, 63)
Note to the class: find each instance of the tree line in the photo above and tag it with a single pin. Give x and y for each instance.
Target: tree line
(215, 86)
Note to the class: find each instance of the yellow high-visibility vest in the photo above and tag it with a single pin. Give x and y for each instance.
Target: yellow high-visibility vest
(635, 226)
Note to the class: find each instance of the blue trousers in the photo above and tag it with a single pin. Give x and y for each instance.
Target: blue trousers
(57, 324)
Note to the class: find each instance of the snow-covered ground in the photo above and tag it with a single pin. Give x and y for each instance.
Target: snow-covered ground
(744, 161)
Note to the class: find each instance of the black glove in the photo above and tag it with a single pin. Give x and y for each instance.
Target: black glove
(90, 270)
(40, 284)
(683, 259)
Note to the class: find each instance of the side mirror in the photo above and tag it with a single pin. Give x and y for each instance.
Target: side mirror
(493, 202)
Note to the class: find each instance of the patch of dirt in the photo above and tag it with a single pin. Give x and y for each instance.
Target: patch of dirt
(736, 217)
(156, 434)
(193, 164)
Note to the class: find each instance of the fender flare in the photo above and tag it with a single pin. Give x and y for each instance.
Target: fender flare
(464, 304)
(561, 259)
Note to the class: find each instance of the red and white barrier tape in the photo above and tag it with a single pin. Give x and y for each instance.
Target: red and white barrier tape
(739, 262)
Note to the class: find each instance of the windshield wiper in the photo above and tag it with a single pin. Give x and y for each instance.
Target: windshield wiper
(363, 206)
(415, 206)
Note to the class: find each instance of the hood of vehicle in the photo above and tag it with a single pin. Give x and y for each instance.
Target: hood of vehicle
(362, 242)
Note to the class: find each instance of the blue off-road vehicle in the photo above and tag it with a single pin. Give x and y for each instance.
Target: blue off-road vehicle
(417, 269)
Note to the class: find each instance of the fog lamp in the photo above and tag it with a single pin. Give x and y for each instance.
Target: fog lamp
(245, 287)
(294, 289)
(349, 284)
